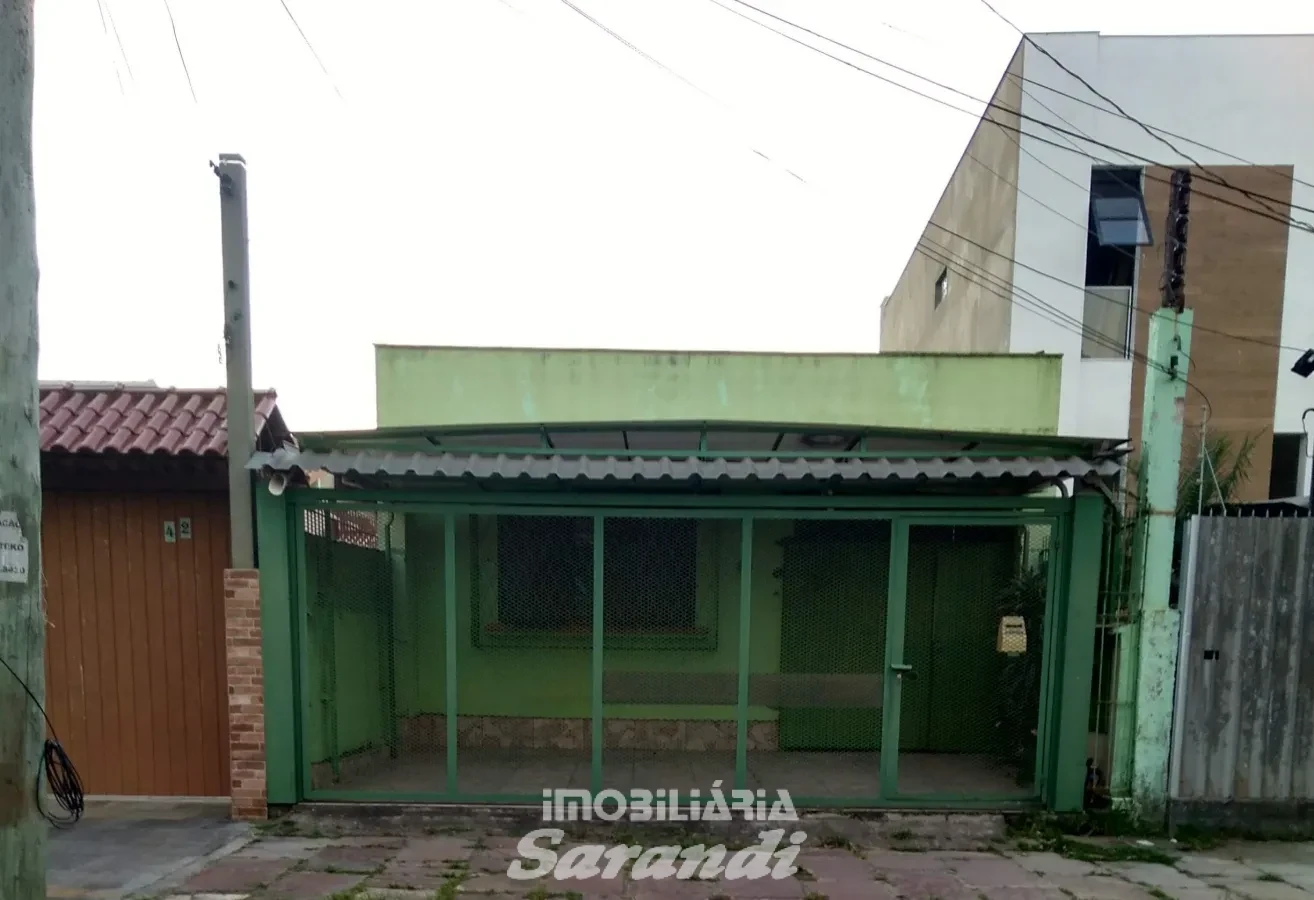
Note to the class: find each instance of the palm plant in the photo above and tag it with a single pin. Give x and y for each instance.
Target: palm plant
(1226, 469)
(1230, 470)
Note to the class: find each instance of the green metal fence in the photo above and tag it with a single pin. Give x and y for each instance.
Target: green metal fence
(472, 653)
(1113, 683)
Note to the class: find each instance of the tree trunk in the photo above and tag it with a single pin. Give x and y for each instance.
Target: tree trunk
(22, 621)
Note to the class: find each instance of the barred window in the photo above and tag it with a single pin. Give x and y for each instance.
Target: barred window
(545, 574)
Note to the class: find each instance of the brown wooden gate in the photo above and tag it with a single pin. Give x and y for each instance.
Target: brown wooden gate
(135, 662)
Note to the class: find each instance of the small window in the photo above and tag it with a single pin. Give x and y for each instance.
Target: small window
(1117, 208)
(545, 575)
(941, 287)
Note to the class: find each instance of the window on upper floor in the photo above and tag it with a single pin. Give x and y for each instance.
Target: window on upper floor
(1117, 208)
(1118, 226)
(941, 287)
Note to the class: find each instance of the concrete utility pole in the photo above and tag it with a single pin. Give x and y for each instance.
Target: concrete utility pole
(237, 354)
(1168, 352)
(22, 622)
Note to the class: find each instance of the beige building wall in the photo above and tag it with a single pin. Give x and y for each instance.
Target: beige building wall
(979, 203)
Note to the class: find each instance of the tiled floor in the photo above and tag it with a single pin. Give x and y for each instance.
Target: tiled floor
(843, 776)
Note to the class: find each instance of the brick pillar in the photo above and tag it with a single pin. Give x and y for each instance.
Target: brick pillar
(246, 693)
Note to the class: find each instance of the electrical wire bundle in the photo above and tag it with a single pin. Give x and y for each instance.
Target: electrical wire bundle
(60, 775)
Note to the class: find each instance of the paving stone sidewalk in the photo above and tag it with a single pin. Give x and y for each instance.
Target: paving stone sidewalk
(475, 865)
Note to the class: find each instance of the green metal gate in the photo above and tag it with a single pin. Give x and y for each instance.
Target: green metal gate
(862, 656)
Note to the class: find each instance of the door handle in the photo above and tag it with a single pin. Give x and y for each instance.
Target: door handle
(900, 667)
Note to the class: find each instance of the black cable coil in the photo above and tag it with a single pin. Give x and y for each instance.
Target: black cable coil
(58, 770)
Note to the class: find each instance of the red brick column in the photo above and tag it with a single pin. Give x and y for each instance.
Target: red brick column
(246, 693)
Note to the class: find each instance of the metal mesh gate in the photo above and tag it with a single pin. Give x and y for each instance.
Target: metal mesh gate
(974, 635)
(833, 590)
(349, 648)
(451, 653)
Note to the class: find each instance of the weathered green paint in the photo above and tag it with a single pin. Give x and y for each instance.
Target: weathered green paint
(308, 692)
(434, 609)
(450, 600)
(599, 640)
(745, 650)
(1123, 724)
(477, 386)
(1056, 592)
(896, 604)
(350, 603)
(1168, 350)
(1077, 607)
(277, 647)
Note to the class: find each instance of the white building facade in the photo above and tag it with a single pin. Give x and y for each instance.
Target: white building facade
(1049, 237)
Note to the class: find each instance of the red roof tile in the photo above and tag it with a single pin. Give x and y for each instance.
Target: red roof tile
(103, 418)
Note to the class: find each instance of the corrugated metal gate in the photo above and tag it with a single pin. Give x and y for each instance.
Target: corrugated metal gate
(135, 659)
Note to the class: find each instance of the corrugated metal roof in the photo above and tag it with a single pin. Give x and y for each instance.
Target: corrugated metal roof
(666, 468)
(122, 419)
(702, 438)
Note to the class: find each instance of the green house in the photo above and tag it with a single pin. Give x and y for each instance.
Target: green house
(860, 615)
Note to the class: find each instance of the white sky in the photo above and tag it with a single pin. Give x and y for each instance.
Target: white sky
(501, 172)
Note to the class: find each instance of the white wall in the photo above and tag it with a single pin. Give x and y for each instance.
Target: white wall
(1252, 96)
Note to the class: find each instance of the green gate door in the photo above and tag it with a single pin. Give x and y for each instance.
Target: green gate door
(834, 584)
(965, 711)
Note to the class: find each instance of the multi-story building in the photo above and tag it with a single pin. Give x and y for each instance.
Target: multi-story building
(1048, 237)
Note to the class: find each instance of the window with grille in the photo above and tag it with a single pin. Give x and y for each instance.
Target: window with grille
(545, 575)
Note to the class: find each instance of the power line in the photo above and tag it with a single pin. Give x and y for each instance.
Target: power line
(1047, 109)
(1015, 296)
(1056, 312)
(1083, 288)
(1086, 229)
(311, 47)
(1053, 313)
(1049, 313)
(667, 69)
(656, 62)
(1287, 221)
(1172, 134)
(1109, 100)
(109, 13)
(1046, 311)
(177, 43)
(104, 27)
(1149, 176)
(991, 104)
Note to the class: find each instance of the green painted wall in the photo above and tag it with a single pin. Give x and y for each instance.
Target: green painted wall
(475, 386)
(347, 659)
(406, 579)
(554, 681)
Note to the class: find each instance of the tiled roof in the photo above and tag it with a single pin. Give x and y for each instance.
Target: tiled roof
(121, 419)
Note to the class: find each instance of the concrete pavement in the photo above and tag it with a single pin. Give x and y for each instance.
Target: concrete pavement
(309, 865)
(120, 848)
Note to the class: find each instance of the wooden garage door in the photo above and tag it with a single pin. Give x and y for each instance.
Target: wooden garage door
(135, 671)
